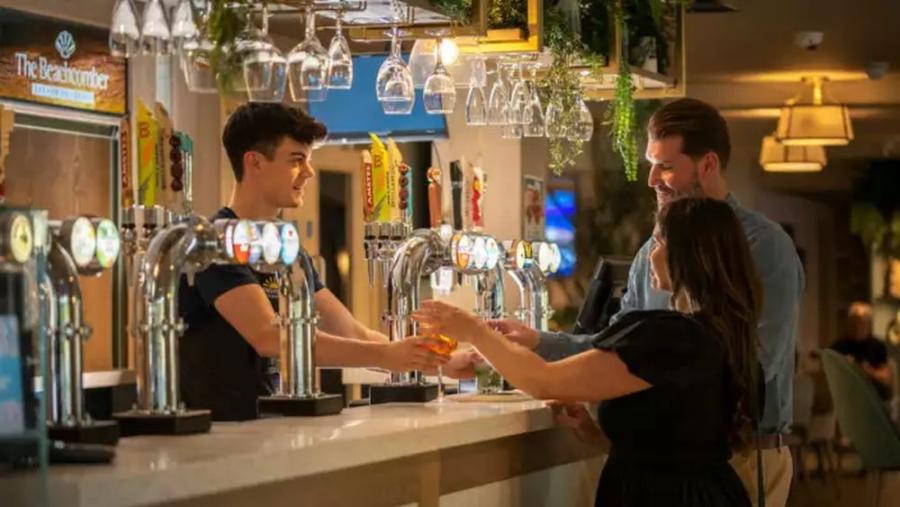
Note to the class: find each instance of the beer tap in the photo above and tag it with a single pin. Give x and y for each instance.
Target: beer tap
(87, 247)
(419, 256)
(518, 260)
(297, 393)
(547, 259)
(186, 247)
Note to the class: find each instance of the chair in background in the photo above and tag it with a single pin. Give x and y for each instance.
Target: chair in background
(863, 419)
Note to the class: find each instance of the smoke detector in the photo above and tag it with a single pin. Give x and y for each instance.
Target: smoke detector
(877, 70)
(809, 40)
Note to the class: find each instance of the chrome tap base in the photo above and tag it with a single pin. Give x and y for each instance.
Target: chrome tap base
(290, 406)
(402, 393)
(94, 432)
(186, 422)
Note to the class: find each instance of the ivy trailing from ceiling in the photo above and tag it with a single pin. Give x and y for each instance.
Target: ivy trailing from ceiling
(620, 116)
(222, 27)
(561, 86)
(590, 45)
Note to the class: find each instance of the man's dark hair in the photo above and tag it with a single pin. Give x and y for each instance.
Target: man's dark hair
(262, 127)
(701, 127)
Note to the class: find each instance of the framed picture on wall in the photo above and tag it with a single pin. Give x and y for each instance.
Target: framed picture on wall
(533, 208)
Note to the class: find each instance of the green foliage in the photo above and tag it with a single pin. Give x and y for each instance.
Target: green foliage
(621, 119)
(459, 11)
(222, 28)
(868, 223)
(561, 86)
(508, 14)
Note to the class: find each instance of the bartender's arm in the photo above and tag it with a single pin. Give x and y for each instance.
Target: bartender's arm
(248, 310)
(336, 319)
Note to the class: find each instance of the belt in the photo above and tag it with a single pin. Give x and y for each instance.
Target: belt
(773, 440)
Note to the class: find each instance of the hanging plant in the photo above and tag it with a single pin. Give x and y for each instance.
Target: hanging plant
(561, 88)
(223, 25)
(620, 116)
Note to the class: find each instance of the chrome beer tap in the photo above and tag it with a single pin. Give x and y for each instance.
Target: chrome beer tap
(80, 247)
(186, 247)
(517, 261)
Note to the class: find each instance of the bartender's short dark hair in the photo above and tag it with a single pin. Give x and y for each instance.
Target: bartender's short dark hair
(261, 127)
(701, 127)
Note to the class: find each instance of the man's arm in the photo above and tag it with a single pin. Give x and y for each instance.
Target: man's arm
(555, 346)
(781, 275)
(336, 319)
(248, 310)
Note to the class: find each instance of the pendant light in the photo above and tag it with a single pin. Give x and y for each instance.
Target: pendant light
(816, 123)
(777, 157)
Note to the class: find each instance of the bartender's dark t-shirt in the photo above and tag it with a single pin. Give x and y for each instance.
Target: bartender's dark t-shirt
(219, 369)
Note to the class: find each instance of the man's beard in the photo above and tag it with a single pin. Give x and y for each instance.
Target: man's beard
(695, 191)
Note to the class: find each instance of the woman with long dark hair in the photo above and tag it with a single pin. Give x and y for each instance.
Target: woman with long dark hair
(678, 387)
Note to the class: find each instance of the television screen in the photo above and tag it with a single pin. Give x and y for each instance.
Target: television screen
(351, 114)
(560, 226)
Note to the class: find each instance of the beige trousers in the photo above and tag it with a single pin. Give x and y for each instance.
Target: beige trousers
(778, 470)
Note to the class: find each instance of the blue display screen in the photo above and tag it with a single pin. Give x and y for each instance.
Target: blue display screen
(560, 226)
(351, 114)
(12, 403)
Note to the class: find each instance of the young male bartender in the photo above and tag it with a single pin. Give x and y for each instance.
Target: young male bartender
(227, 350)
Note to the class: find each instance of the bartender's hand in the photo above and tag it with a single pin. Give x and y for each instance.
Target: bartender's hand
(437, 317)
(577, 417)
(411, 354)
(517, 332)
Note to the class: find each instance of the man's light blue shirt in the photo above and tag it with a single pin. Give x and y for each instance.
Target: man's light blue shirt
(783, 282)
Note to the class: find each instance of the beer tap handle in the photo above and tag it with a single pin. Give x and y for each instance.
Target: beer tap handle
(456, 190)
(434, 197)
(368, 188)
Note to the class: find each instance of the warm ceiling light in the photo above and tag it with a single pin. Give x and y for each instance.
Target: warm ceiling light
(816, 123)
(776, 157)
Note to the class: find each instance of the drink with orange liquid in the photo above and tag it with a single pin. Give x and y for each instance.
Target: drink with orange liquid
(443, 345)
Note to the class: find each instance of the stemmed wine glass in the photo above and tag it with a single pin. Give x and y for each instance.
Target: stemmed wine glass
(265, 67)
(499, 99)
(511, 129)
(584, 129)
(124, 35)
(340, 71)
(439, 94)
(534, 114)
(519, 98)
(184, 28)
(155, 34)
(308, 65)
(257, 54)
(394, 86)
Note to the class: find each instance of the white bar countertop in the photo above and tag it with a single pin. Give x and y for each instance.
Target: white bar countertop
(150, 469)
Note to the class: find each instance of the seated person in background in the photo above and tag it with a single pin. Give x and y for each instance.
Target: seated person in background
(679, 387)
(868, 352)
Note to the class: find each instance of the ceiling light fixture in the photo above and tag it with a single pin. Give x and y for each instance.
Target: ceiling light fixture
(815, 123)
(776, 157)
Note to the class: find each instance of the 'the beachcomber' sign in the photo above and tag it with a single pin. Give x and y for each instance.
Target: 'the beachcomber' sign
(59, 63)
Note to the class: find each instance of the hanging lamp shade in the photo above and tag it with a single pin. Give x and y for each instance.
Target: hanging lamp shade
(777, 157)
(816, 123)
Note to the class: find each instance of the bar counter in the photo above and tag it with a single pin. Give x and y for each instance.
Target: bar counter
(450, 453)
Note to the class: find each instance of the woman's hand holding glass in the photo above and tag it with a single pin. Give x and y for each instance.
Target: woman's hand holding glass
(437, 318)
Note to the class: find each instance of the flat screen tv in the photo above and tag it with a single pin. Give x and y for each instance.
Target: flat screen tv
(351, 114)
